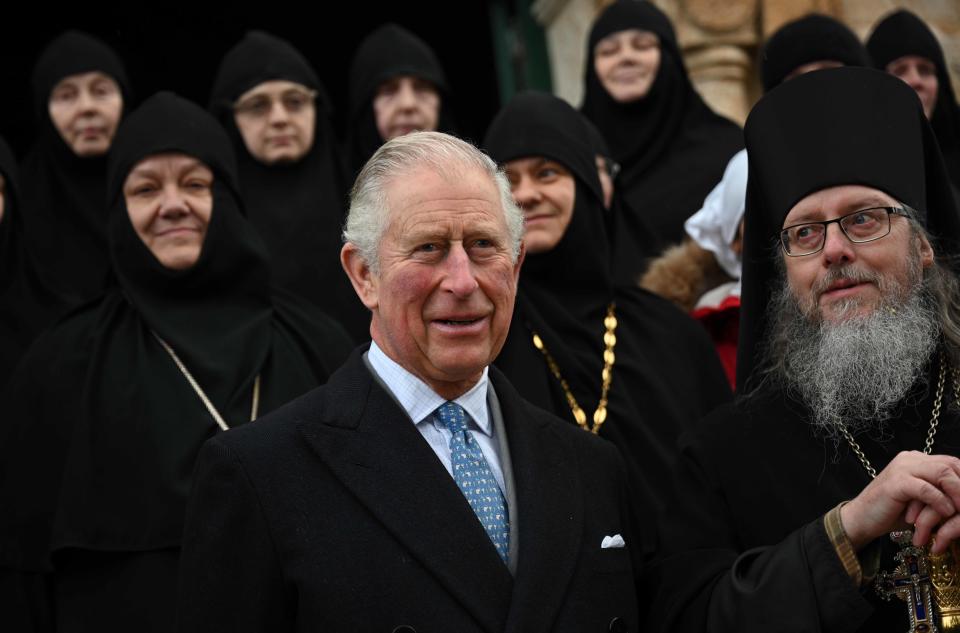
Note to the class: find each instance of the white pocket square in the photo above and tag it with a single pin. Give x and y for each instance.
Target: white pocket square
(612, 542)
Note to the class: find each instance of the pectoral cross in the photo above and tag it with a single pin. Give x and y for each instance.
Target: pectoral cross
(910, 582)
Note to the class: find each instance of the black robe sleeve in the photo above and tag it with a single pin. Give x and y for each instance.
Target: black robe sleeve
(230, 578)
(703, 583)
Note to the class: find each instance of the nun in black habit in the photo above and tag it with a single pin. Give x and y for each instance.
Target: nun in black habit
(645, 367)
(109, 408)
(63, 191)
(671, 147)
(296, 201)
(901, 34)
(27, 304)
(389, 52)
(754, 541)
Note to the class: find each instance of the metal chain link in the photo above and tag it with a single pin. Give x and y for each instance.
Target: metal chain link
(934, 418)
(606, 375)
(255, 406)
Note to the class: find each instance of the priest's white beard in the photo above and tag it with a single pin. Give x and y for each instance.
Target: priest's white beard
(858, 368)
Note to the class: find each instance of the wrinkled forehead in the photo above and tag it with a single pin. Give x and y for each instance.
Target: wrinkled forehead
(452, 184)
(831, 202)
(84, 79)
(638, 34)
(274, 87)
(158, 165)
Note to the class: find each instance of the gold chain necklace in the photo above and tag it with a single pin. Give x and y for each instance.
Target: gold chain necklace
(203, 396)
(609, 342)
(934, 418)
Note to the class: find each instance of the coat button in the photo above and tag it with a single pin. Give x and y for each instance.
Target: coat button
(404, 628)
(617, 626)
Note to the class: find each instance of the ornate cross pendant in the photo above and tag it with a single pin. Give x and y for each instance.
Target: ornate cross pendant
(910, 581)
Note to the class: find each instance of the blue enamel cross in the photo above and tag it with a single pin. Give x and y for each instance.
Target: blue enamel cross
(910, 582)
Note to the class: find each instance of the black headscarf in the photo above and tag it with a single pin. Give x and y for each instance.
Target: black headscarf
(671, 147)
(833, 127)
(666, 373)
(297, 208)
(63, 193)
(104, 427)
(27, 304)
(812, 38)
(388, 52)
(903, 33)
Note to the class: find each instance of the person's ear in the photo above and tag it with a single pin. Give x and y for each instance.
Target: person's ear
(365, 283)
(926, 252)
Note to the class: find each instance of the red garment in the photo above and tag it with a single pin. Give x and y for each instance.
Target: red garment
(723, 324)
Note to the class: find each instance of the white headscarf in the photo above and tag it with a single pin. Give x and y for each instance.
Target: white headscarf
(715, 225)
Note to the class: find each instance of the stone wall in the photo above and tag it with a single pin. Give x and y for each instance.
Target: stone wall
(721, 38)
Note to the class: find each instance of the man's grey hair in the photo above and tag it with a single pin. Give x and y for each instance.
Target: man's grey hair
(444, 154)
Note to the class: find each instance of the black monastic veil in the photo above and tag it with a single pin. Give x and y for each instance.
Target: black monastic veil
(671, 147)
(389, 51)
(902, 33)
(103, 427)
(63, 194)
(746, 547)
(298, 207)
(27, 303)
(812, 38)
(666, 373)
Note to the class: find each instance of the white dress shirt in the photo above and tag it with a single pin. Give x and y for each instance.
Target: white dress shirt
(420, 402)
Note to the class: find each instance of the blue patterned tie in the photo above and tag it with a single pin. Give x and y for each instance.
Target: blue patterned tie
(474, 478)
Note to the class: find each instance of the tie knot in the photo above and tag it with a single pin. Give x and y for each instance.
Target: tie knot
(452, 416)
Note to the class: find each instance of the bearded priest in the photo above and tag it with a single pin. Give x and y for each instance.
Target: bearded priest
(826, 497)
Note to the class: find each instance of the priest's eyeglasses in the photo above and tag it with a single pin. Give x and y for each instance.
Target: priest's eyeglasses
(259, 106)
(865, 225)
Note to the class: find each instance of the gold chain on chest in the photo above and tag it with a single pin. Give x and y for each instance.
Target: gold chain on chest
(609, 342)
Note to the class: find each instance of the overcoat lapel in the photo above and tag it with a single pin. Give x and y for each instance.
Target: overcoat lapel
(550, 509)
(374, 449)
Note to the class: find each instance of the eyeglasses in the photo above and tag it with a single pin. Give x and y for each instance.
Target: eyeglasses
(865, 225)
(259, 106)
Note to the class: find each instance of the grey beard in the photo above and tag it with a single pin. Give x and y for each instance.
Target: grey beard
(857, 370)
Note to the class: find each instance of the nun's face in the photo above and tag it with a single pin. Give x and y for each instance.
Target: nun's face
(847, 279)
(405, 104)
(277, 120)
(545, 191)
(169, 198)
(85, 109)
(921, 75)
(626, 62)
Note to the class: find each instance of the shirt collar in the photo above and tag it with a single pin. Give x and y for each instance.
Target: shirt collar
(419, 400)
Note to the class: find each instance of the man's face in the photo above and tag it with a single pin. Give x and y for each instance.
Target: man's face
(545, 191)
(85, 109)
(846, 279)
(169, 199)
(443, 297)
(277, 120)
(405, 104)
(921, 75)
(626, 62)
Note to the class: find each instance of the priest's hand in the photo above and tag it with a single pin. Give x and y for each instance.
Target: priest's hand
(914, 488)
